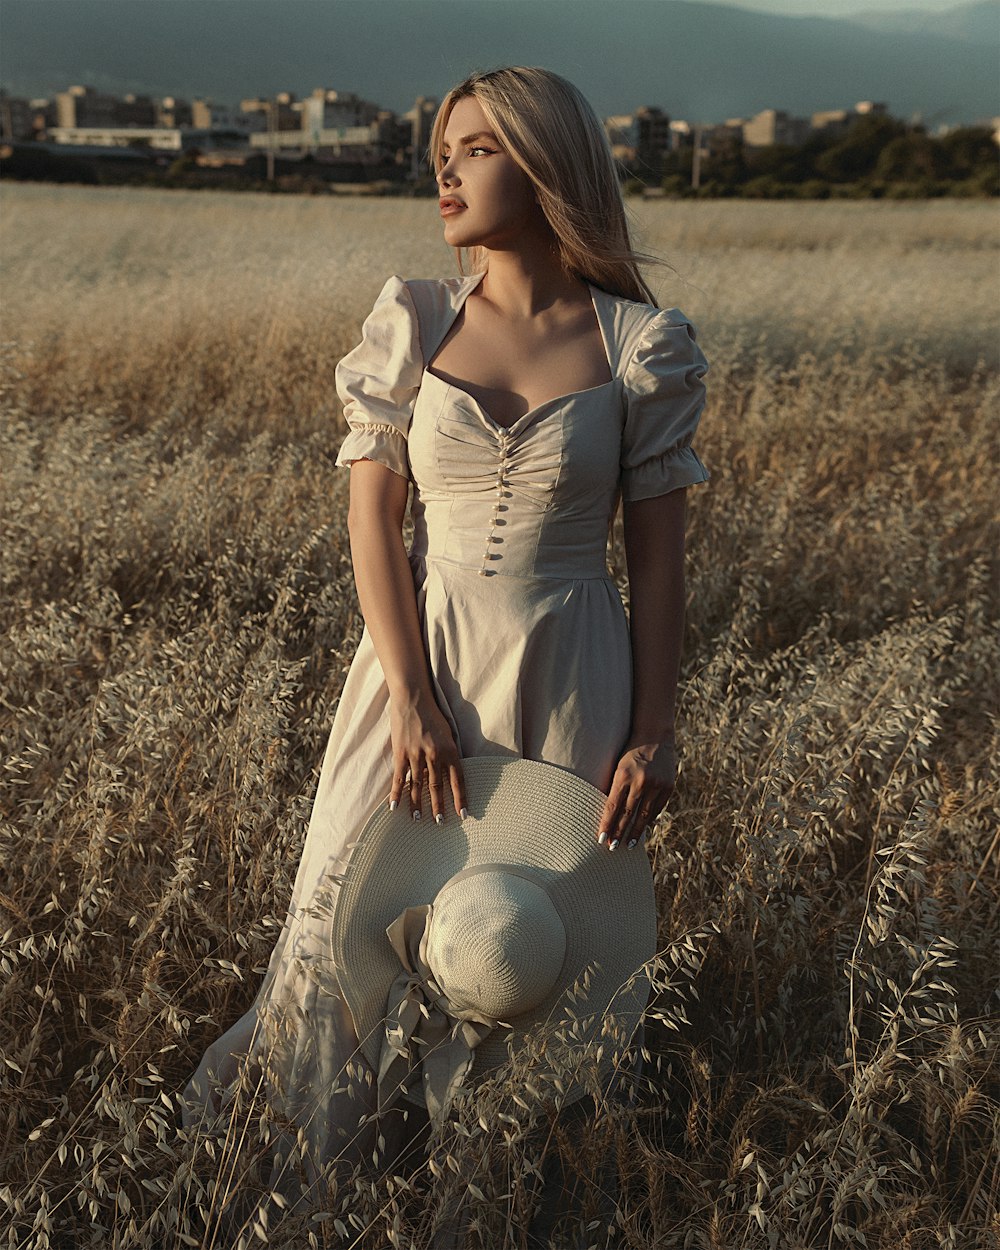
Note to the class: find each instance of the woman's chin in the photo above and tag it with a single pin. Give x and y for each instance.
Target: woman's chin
(461, 238)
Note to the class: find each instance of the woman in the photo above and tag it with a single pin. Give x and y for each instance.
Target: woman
(520, 403)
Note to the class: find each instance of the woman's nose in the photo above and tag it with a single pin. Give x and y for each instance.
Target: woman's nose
(444, 173)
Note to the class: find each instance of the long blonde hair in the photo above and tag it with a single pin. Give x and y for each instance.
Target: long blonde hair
(556, 138)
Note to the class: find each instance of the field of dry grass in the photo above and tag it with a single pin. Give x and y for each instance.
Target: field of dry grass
(177, 615)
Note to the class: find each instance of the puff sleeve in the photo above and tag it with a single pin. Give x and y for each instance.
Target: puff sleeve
(664, 396)
(378, 380)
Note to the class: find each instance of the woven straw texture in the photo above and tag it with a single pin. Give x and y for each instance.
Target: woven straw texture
(521, 812)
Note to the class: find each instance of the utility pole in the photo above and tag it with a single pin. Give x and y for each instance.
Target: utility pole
(272, 131)
(696, 159)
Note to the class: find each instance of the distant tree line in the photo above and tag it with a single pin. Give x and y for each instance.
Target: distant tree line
(877, 156)
(138, 165)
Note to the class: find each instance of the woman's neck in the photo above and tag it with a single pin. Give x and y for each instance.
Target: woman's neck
(525, 283)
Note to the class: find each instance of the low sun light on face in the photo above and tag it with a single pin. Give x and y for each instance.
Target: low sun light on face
(467, 125)
(494, 198)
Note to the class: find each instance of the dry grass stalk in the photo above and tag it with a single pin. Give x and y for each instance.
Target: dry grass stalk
(821, 1050)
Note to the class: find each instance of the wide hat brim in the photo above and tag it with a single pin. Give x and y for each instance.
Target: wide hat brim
(527, 814)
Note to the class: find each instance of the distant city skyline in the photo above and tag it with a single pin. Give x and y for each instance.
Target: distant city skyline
(701, 59)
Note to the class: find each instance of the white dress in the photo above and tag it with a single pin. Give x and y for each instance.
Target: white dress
(526, 635)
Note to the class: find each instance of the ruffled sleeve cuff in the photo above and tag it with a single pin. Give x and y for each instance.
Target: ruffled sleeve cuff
(378, 381)
(383, 443)
(660, 475)
(665, 397)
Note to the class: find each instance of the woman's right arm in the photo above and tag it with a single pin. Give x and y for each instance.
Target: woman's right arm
(422, 740)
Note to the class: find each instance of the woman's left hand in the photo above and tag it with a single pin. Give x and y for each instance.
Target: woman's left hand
(640, 788)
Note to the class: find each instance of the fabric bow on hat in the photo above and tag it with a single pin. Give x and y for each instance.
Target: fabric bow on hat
(424, 1030)
(497, 915)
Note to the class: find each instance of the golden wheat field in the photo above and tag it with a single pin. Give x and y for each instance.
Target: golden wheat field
(177, 614)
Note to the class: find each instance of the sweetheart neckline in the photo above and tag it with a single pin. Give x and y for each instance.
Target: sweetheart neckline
(506, 429)
(593, 292)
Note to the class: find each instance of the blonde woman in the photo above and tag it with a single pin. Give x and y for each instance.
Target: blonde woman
(513, 406)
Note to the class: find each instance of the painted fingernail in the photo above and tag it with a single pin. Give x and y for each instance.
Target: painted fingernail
(464, 813)
(416, 813)
(614, 844)
(632, 841)
(602, 837)
(439, 818)
(393, 804)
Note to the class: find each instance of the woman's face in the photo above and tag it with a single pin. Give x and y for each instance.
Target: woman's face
(498, 198)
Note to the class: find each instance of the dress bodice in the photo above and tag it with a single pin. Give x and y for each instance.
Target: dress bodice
(533, 499)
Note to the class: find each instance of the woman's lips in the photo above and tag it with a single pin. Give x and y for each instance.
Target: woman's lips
(448, 209)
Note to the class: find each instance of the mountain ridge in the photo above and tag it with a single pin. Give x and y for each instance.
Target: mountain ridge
(703, 62)
(973, 21)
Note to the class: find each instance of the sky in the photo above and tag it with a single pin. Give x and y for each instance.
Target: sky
(699, 59)
(836, 8)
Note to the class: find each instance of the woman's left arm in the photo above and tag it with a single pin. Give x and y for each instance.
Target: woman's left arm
(645, 775)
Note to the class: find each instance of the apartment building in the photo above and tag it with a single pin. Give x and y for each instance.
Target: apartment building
(327, 109)
(283, 111)
(82, 106)
(641, 138)
(771, 126)
(837, 121)
(208, 116)
(21, 118)
(420, 120)
(174, 112)
(334, 124)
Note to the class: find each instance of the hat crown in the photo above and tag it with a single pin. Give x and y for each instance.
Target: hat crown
(495, 942)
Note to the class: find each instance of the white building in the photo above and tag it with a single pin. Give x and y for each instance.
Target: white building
(357, 141)
(157, 138)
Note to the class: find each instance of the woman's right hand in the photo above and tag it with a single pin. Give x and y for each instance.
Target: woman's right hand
(422, 743)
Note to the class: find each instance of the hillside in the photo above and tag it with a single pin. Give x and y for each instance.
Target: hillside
(700, 61)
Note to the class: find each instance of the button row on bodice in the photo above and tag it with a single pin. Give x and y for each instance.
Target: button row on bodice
(492, 538)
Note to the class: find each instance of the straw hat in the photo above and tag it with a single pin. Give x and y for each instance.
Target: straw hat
(452, 941)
